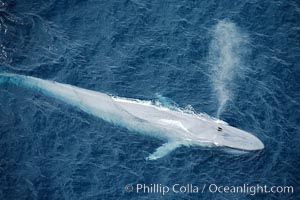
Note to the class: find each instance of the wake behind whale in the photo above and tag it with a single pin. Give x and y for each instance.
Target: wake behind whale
(227, 51)
(174, 126)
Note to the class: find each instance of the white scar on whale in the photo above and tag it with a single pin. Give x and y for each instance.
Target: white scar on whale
(174, 126)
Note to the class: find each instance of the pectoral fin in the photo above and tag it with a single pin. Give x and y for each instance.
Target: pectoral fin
(163, 150)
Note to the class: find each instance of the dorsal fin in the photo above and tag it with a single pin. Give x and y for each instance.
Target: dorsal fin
(166, 102)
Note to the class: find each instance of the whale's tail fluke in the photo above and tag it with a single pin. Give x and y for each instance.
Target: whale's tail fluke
(50, 88)
(20, 80)
(69, 94)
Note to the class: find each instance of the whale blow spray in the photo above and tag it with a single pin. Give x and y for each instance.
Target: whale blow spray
(226, 57)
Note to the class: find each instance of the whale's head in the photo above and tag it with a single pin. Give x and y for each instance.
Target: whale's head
(229, 136)
(206, 131)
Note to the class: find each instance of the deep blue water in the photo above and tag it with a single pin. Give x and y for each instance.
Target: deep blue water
(237, 60)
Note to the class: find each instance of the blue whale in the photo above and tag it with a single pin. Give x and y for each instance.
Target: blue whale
(174, 126)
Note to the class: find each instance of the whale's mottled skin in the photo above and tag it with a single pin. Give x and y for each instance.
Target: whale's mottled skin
(174, 126)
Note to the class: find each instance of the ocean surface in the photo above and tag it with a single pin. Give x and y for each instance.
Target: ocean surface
(235, 60)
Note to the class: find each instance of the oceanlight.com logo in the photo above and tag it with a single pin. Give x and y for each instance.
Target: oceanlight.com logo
(250, 189)
(210, 188)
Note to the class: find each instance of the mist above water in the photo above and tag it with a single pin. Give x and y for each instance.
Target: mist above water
(226, 56)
